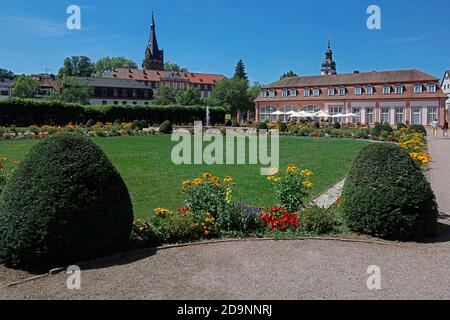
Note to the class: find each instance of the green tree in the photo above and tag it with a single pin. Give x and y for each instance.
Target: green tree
(289, 74)
(254, 91)
(190, 97)
(232, 94)
(165, 96)
(240, 72)
(77, 66)
(74, 91)
(170, 66)
(25, 87)
(108, 64)
(6, 74)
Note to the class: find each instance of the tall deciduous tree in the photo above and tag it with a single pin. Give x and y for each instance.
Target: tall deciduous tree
(108, 64)
(165, 96)
(170, 66)
(232, 94)
(77, 66)
(190, 97)
(289, 74)
(240, 72)
(73, 91)
(25, 87)
(6, 74)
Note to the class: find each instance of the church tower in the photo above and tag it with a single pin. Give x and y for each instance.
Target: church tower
(328, 65)
(154, 58)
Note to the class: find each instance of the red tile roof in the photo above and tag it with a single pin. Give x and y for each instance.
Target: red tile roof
(153, 75)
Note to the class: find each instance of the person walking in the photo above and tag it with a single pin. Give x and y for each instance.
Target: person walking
(445, 129)
(435, 125)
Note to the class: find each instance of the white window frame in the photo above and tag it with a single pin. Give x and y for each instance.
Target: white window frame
(418, 113)
(358, 91)
(370, 116)
(432, 88)
(399, 89)
(307, 92)
(342, 91)
(316, 92)
(387, 89)
(272, 93)
(331, 91)
(418, 88)
(385, 115)
(399, 114)
(285, 93)
(369, 90)
(293, 92)
(433, 114)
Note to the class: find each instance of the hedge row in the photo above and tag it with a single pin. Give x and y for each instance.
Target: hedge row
(26, 112)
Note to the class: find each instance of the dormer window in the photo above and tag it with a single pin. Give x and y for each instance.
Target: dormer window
(285, 93)
(272, 94)
(342, 91)
(432, 88)
(307, 92)
(358, 91)
(418, 88)
(399, 89)
(369, 90)
(387, 89)
(331, 91)
(293, 92)
(316, 92)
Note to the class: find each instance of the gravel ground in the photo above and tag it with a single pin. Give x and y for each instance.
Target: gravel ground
(309, 269)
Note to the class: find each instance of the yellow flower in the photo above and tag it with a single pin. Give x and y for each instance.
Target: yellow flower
(270, 178)
(3, 159)
(307, 173)
(207, 175)
(292, 169)
(162, 212)
(206, 233)
(308, 184)
(228, 180)
(198, 181)
(186, 183)
(273, 171)
(277, 179)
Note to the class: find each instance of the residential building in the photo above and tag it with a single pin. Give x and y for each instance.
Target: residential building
(47, 84)
(406, 96)
(6, 86)
(111, 91)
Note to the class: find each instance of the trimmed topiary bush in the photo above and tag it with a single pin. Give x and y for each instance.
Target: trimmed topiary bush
(64, 204)
(136, 124)
(262, 126)
(387, 195)
(166, 127)
(143, 124)
(401, 126)
(418, 128)
(337, 125)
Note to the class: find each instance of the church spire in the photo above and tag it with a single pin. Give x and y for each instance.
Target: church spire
(328, 65)
(154, 58)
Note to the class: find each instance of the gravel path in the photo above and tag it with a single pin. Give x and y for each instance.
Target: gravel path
(309, 269)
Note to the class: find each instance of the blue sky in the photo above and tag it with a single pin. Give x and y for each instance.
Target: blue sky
(211, 35)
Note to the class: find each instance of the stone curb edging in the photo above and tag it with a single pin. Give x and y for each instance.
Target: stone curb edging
(143, 252)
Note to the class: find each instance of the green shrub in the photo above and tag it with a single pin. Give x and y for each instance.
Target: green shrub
(283, 127)
(65, 203)
(387, 128)
(318, 220)
(235, 124)
(143, 124)
(387, 195)
(262, 126)
(376, 131)
(337, 125)
(117, 122)
(239, 219)
(136, 124)
(166, 127)
(418, 128)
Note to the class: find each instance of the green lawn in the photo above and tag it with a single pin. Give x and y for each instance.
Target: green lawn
(153, 181)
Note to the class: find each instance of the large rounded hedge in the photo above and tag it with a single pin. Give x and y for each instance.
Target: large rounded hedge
(65, 203)
(387, 195)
